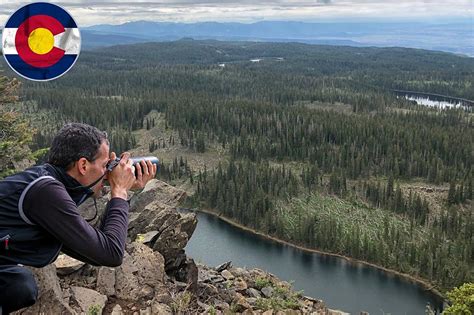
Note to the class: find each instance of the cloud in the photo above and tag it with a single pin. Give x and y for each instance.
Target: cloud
(89, 12)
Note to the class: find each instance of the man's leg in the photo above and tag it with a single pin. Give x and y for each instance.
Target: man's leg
(18, 288)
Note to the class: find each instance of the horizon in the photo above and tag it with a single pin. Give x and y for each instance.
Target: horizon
(116, 12)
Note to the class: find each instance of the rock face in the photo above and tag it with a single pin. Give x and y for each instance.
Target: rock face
(156, 276)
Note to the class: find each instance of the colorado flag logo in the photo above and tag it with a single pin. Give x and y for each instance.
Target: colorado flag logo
(41, 41)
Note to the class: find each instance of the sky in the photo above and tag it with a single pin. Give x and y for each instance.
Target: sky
(91, 12)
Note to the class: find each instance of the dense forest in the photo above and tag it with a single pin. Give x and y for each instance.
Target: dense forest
(319, 149)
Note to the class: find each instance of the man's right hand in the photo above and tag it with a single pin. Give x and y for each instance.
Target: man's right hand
(122, 177)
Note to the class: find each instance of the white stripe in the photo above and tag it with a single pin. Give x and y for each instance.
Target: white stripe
(69, 41)
(8, 41)
(22, 198)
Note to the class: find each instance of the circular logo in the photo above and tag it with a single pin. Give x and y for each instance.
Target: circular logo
(41, 41)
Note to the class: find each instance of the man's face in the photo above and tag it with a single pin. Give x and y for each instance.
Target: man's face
(97, 168)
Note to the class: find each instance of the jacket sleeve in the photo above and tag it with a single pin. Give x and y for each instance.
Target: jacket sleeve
(48, 205)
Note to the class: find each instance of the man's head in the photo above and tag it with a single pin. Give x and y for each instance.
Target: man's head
(83, 151)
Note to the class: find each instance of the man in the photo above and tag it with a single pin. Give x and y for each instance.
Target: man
(39, 216)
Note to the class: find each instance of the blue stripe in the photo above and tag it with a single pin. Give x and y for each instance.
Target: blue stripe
(41, 8)
(49, 73)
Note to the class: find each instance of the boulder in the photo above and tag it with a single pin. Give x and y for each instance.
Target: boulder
(141, 271)
(106, 281)
(88, 301)
(267, 291)
(50, 296)
(156, 190)
(227, 275)
(66, 265)
(254, 293)
(224, 266)
(240, 284)
(117, 310)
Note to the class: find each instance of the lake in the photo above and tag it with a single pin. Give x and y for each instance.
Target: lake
(343, 285)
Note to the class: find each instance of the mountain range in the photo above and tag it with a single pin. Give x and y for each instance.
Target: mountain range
(452, 37)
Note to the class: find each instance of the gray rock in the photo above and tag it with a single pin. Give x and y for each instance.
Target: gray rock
(50, 296)
(106, 281)
(156, 190)
(66, 265)
(224, 266)
(239, 272)
(267, 291)
(88, 300)
(141, 271)
(253, 293)
(251, 300)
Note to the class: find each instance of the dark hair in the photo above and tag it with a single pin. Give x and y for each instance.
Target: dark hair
(75, 141)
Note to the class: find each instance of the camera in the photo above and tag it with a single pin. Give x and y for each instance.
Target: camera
(135, 161)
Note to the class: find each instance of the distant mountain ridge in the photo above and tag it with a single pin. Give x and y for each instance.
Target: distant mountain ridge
(444, 37)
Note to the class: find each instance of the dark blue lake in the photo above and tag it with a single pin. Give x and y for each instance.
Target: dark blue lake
(343, 285)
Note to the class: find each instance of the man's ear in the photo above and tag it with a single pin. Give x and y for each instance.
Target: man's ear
(81, 166)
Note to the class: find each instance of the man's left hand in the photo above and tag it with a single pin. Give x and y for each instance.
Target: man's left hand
(145, 172)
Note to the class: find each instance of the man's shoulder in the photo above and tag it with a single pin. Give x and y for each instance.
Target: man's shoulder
(47, 184)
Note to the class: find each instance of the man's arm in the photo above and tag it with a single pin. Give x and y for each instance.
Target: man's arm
(48, 204)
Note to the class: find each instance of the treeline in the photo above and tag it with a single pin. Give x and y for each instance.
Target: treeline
(264, 198)
(434, 145)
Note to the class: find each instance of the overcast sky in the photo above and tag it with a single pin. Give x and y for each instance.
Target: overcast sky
(90, 12)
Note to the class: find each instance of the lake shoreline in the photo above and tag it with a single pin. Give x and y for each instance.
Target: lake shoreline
(423, 283)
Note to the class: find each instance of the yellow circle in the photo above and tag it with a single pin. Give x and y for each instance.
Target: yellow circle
(41, 41)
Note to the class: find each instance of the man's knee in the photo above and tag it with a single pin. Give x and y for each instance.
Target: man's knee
(27, 287)
(18, 288)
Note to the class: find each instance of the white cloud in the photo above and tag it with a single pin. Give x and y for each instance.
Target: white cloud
(89, 12)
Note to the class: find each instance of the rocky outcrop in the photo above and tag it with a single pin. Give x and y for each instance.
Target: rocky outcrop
(156, 276)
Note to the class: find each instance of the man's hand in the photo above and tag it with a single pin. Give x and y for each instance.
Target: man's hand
(122, 177)
(145, 172)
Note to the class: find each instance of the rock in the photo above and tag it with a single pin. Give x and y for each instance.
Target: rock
(269, 312)
(116, 310)
(267, 292)
(205, 307)
(162, 296)
(161, 309)
(146, 311)
(148, 237)
(240, 303)
(224, 266)
(217, 279)
(207, 290)
(156, 190)
(255, 293)
(251, 300)
(106, 281)
(88, 301)
(227, 275)
(50, 296)
(240, 284)
(239, 272)
(66, 265)
(205, 275)
(141, 271)
(175, 235)
(221, 305)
